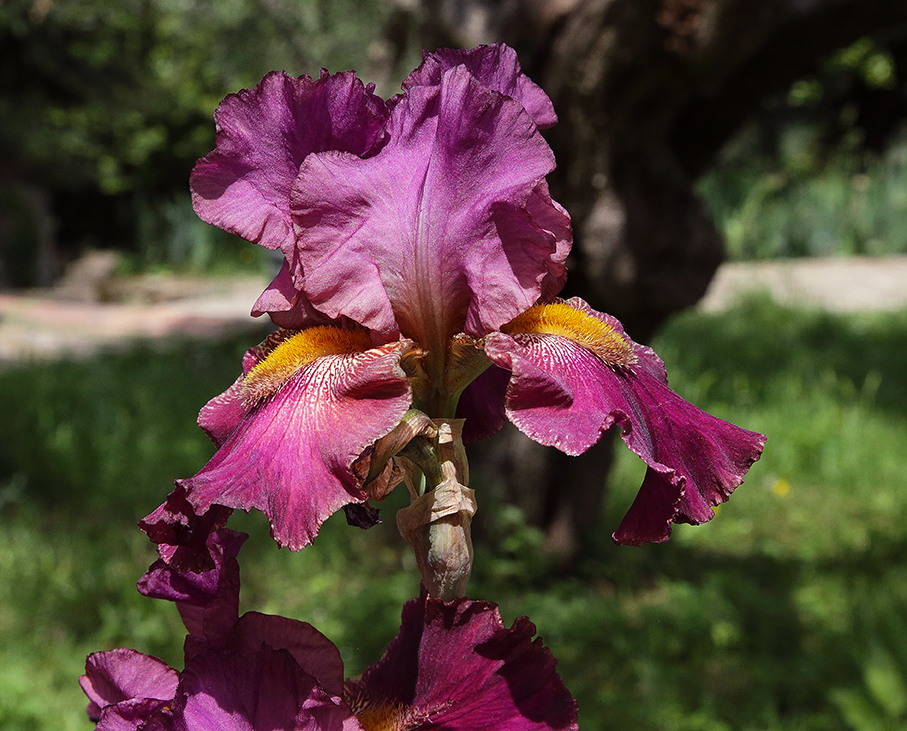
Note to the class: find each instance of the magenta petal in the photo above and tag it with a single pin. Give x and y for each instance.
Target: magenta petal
(264, 134)
(291, 456)
(182, 534)
(657, 505)
(285, 304)
(496, 66)
(208, 601)
(134, 715)
(124, 675)
(221, 416)
(456, 666)
(162, 581)
(447, 229)
(562, 395)
(314, 652)
(482, 405)
(265, 691)
(549, 215)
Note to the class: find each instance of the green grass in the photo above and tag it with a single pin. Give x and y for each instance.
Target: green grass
(806, 200)
(784, 612)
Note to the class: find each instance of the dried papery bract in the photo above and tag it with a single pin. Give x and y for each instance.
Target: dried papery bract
(438, 522)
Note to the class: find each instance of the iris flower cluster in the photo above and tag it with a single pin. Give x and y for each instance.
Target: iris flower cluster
(453, 665)
(417, 311)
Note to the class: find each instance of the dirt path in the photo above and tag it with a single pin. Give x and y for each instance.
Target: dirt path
(41, 325)
(843, 285)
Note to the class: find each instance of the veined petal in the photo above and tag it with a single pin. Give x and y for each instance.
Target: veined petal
(456, 666)
(496, 66)
(307, 421)
(570, 385)
(221, 416)
(264, 134)
(448, 229)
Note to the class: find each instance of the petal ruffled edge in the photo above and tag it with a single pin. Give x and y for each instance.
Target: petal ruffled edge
(423, 244)
(560, 394)
(455, 665)
(264, 134)
(182, 534)
(332, 410)
(497, 67)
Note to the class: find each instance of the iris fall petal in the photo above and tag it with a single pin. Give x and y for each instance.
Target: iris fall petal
(562, 394)
(454, 665)
(291, 454)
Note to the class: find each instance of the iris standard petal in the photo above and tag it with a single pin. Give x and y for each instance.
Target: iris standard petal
(573, 380)
(496, 66)
(285, 304)
(448, 229)
(264, 134)
(305, 424)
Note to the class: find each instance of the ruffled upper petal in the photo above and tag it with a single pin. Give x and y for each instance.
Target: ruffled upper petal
(456, 666)
(285, 304)
(448, 229)
(496, 66)
(264, 134)
(562, 394)
(291, 454)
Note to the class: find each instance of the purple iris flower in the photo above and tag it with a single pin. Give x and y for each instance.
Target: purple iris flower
(453, 665)
(423, 258)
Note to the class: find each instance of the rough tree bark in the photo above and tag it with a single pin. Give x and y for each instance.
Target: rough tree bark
(647, 93)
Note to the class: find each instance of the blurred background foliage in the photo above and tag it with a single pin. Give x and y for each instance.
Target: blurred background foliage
(784, 613)
(822, 171)
(105, 106)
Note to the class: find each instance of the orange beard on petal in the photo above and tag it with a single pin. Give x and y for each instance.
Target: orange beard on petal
(598, 337)
(296, 352)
